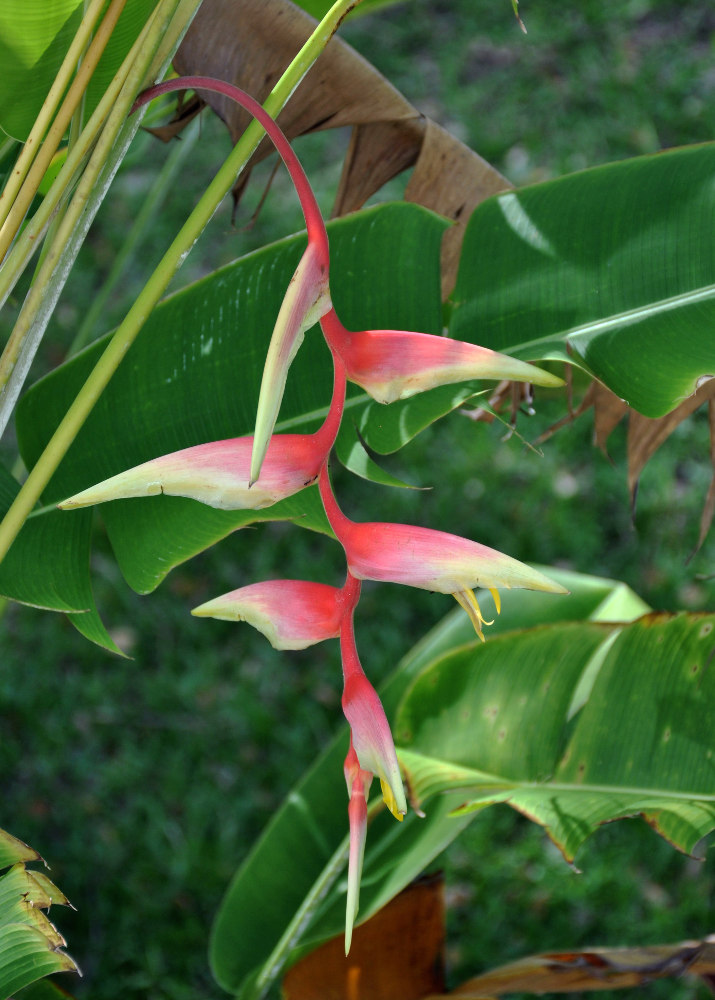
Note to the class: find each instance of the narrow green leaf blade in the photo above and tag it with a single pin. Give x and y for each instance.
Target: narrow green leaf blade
(30, 946)
(13, 850)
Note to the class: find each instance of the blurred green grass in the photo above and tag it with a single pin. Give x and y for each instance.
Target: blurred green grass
(144, 782)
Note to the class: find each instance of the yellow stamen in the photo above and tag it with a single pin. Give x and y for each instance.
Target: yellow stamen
(466, 599)
(497, 599)
(390, 800)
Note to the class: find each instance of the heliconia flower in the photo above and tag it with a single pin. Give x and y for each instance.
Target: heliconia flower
(292, 614)
(363, 709)
(358, 782)
(428, 559)
(395, 364)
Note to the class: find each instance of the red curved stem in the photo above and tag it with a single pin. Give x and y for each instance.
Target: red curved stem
(313, 218)
(338, 521)
(326, 434)
(348, 649)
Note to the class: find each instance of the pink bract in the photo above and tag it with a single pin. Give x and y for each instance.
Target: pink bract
(292, 614)
(396, 364)
(217, 474)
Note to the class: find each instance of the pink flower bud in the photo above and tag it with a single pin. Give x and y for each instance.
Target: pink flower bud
(372, 740)
(218, 473)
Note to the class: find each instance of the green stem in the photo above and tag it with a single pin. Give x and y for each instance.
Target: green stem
(29, 239)
(42, 122)
(52, 274)
(18, 209)
(159, 280)
(75, 132)
(274, 964)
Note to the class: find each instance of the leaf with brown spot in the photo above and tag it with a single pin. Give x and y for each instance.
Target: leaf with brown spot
(250, 44)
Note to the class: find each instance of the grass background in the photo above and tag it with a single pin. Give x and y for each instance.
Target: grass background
(145, 781)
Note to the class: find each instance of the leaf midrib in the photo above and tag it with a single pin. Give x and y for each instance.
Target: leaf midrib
(502, 783)
(625, 318)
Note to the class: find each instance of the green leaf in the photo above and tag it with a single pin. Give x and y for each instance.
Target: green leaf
(25, 956)
(30, 946)
(34, 37)
(354, 455)
(43, 989)
(22, 899)
(60, 582)
(298, 847)
(172, 529)
(573, 725)
(386, 429)
(612, 268)
(13, 850)
(193, 375)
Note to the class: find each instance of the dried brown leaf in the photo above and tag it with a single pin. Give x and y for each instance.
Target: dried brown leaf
(250, 43)
(647, 434)
(709, 506)
(608, 411)
(594, 969)
(519, 395)
(377, 152)
(452, 180)
(568, 418)
(186, 110)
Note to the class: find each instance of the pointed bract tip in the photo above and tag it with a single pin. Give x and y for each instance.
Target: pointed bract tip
(496, 598)
(358, 782)
(306, 300)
